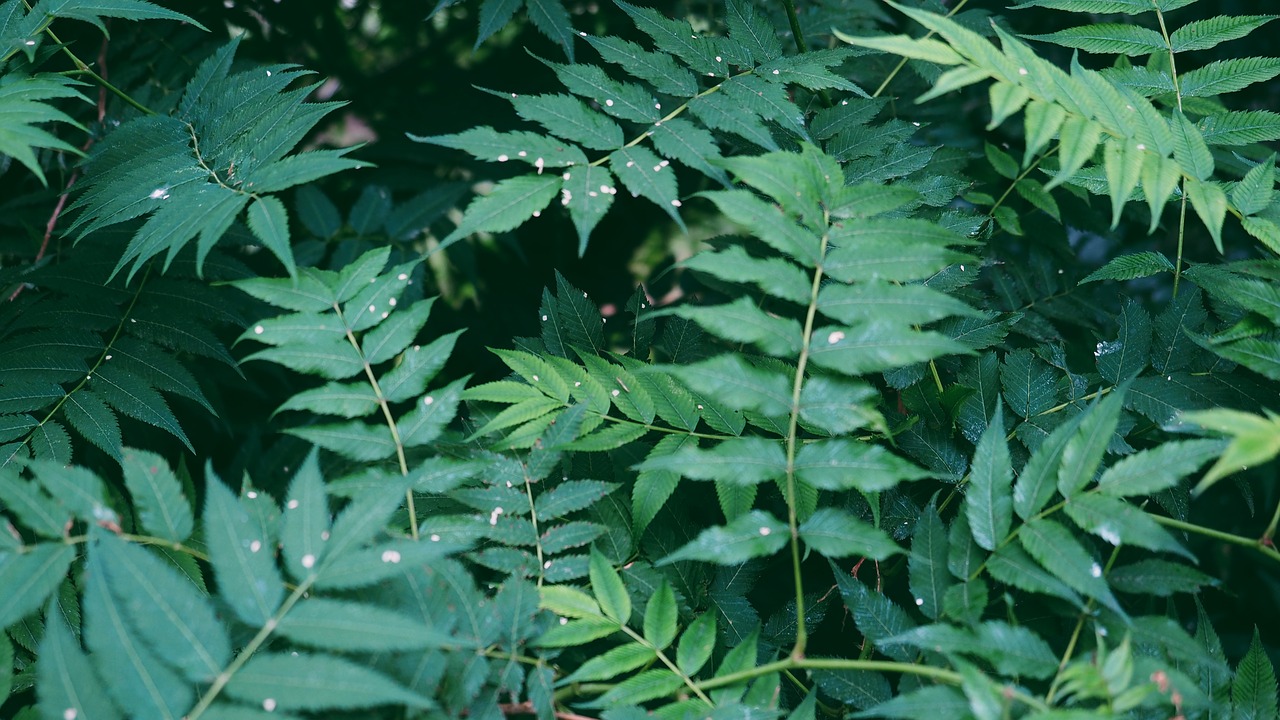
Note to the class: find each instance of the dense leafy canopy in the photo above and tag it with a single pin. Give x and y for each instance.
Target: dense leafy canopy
(925, 366)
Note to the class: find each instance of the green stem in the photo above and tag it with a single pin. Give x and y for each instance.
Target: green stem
(1177, 94)
(793, 425)
(688, 681)
(265, 632)
(84, 68)
(796, 32)
(1255, 543)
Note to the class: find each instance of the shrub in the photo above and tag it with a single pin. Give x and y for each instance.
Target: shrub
(942, 345)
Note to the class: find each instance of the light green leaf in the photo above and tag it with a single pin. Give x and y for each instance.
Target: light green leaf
(641, 172)
(395, 333)
(926, 49)
(299, 681)
(1011, 566)
(1240, 127)
(1006, 99)
(1254, 440)
(1227, 76)
(242, 560)
(166, 610)
(485, 143)
(509, 205)
(613, 663)
(588, 193)
(354, 439)
(347, 400)
(1150, 471)
(737, 461)
(65, 680)
(845, 464)
(989, 499)
(1106, 7)
(1057, 550)
(1210, 203)
(696, 644)
(568, 601)
(1123, 164)
(133, 673)
(927, 567)
(660, 616)
(1111, 38)
(1253, 194)
(906, 304)
(648, 685)
(1043, 121)
(742, 321)
(755, 534)
(1205, 34)
(29, 578)
(568, 117)
(1083, 452)
(1077, 139)
(1131, 266)
(731, 381)
(34, 508)
(659, 69)
(877, 346)
(76, 488)
(330, 624)
(157, 493)
(765, 222)
(306, 518)
(606, 585)
(1120, 523)
(835, 533)
(680, 139)
(675, 37)
(837, 405)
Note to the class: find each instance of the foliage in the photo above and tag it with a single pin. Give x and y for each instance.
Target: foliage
(899, 420)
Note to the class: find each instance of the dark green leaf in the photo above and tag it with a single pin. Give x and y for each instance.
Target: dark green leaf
(989, 500)
(927, 568)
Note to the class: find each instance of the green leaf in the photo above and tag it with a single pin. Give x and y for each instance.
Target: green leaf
(1028, 383)
(570, 118)
(316, 212)
(927, 568)
(306, 518)
(1227, 76)
(845, 464)
(1240, 127)
(570, 496)
(1160, 177)
(753, 30)
(1077, 139)
(1042, 121)
(26, 108)
(770, 101)
(1111, 38)
(65, 680)
(877, 346)
(926, 703)
(1205, 34)
(1254, 441)
(680, 139)
(269, 222)
(660, 616)
(88, 413)
(509, 205)
(1150, 471)
(588, 193)
(1120, 523)
(1127, 355)
(641, 172)
(1160, 578)
(859, 688)
(926, 49)
(157, 494)
(494, 15)
(36, 510)
(76, 488)
(648, 685)
(765, 222)
(606, 585)
(1253, 689)
(1254, 192)
(1131, 266)
(838, 406)
(613, 663)
(300, 681)
(330, 624)
(30, 577)
(552, 20)
(133, 673)
(835, 533)
(390, 337)
(1210, 203)
(241, 557)
(674, 36)
(166, 610)
(485, 143)
(568, 601)
(906, 304)
(741, 321)
(755, 534)
(696, 644)
(1011, 566)
(1083, 452)
(730, 380)
(1123, 165)
(989, 499)
(875, 615)
(1057, 550)
(659, 69)
(1106, 7)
